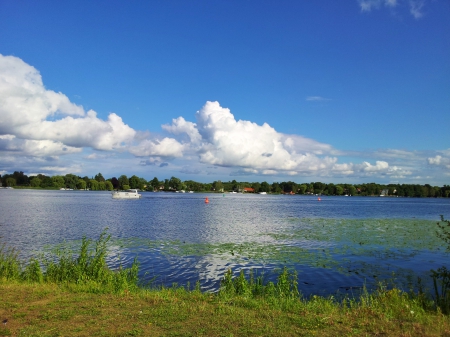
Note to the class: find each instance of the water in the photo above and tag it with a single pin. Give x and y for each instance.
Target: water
(337, 244)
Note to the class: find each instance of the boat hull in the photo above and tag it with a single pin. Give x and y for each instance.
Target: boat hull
(126, 195)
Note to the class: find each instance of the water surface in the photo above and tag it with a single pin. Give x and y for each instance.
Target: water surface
(336, 244)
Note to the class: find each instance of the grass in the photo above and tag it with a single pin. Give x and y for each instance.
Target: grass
(78, 295)
(48, 309)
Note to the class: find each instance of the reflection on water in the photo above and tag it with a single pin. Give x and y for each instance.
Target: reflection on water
(338, 243)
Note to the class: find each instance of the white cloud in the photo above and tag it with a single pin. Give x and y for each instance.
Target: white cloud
(416, 7)
(440, 161)
(227, 142)
(38, 127)
(317, 99)
(180, 125)
(29, 111)
(40, 148)
(435, 161)
(167, 147)
(368, 5)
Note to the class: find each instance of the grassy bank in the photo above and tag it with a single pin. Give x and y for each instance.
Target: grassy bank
(72, 310)
(80, 296)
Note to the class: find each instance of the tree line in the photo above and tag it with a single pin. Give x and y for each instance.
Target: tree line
(99, 183)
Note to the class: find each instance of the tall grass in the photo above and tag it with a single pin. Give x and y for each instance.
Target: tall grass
(10, 267)
(286, 286)
(88, 269)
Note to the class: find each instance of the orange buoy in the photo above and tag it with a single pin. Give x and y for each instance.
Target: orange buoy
(206, 200)
(318, 199)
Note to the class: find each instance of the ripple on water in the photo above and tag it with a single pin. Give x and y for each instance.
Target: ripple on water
(338, 244)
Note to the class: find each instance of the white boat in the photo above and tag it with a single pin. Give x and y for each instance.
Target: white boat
(262, 192)
(130, 194)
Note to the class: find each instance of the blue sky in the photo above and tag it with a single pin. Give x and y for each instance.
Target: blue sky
(335, 91)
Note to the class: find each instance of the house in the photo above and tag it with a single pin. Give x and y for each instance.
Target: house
(249, 190)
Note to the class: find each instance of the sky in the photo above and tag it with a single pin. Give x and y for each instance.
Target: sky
(352, 91)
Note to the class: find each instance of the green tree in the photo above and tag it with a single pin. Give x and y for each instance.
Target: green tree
(175, 184)
(58, 181)
(115, 183)
(108, 185)
(331, 188)
(10, 182)
(99, 177)
(101, 186)
(81, 184)
(135, 182)
(35, 182)
(93, 185)
(339, 190)
(256, 186)
(21, 178)
(70, 180)
(265, 187)
(123, 180)
(166, 185)
(276, 188)
(154, 183)
(217, 186)
(302, 189)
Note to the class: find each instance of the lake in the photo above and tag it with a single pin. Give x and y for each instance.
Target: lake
(337, 244)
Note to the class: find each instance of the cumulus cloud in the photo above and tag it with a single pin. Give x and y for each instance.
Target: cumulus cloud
(226, 141)
(30, 111)
(39, 148)
(38, 126)
(219, 139)
(180, 125)
(440, 160)
(167, 147)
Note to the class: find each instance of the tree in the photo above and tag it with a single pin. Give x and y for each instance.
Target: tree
(99, 177)
(81, 185)
(58, 181)
(109, 186)
(123, 180)
(256, 186)
(101, 186)
(35, 182)
(154, 183)
(93, 185)
(276, 188)
(265, 187)
(70, 180)
(331, 188)
(175, 184)
(217, 186)
(302, 189)
(166, 185)
(339, 190)
(10, 182)
(134, 181)
(115, 183)
(20, 177)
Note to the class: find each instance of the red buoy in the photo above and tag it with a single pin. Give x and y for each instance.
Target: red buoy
(206, 200)
(318, 199)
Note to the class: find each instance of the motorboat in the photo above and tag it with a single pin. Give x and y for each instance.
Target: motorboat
(130, 194)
